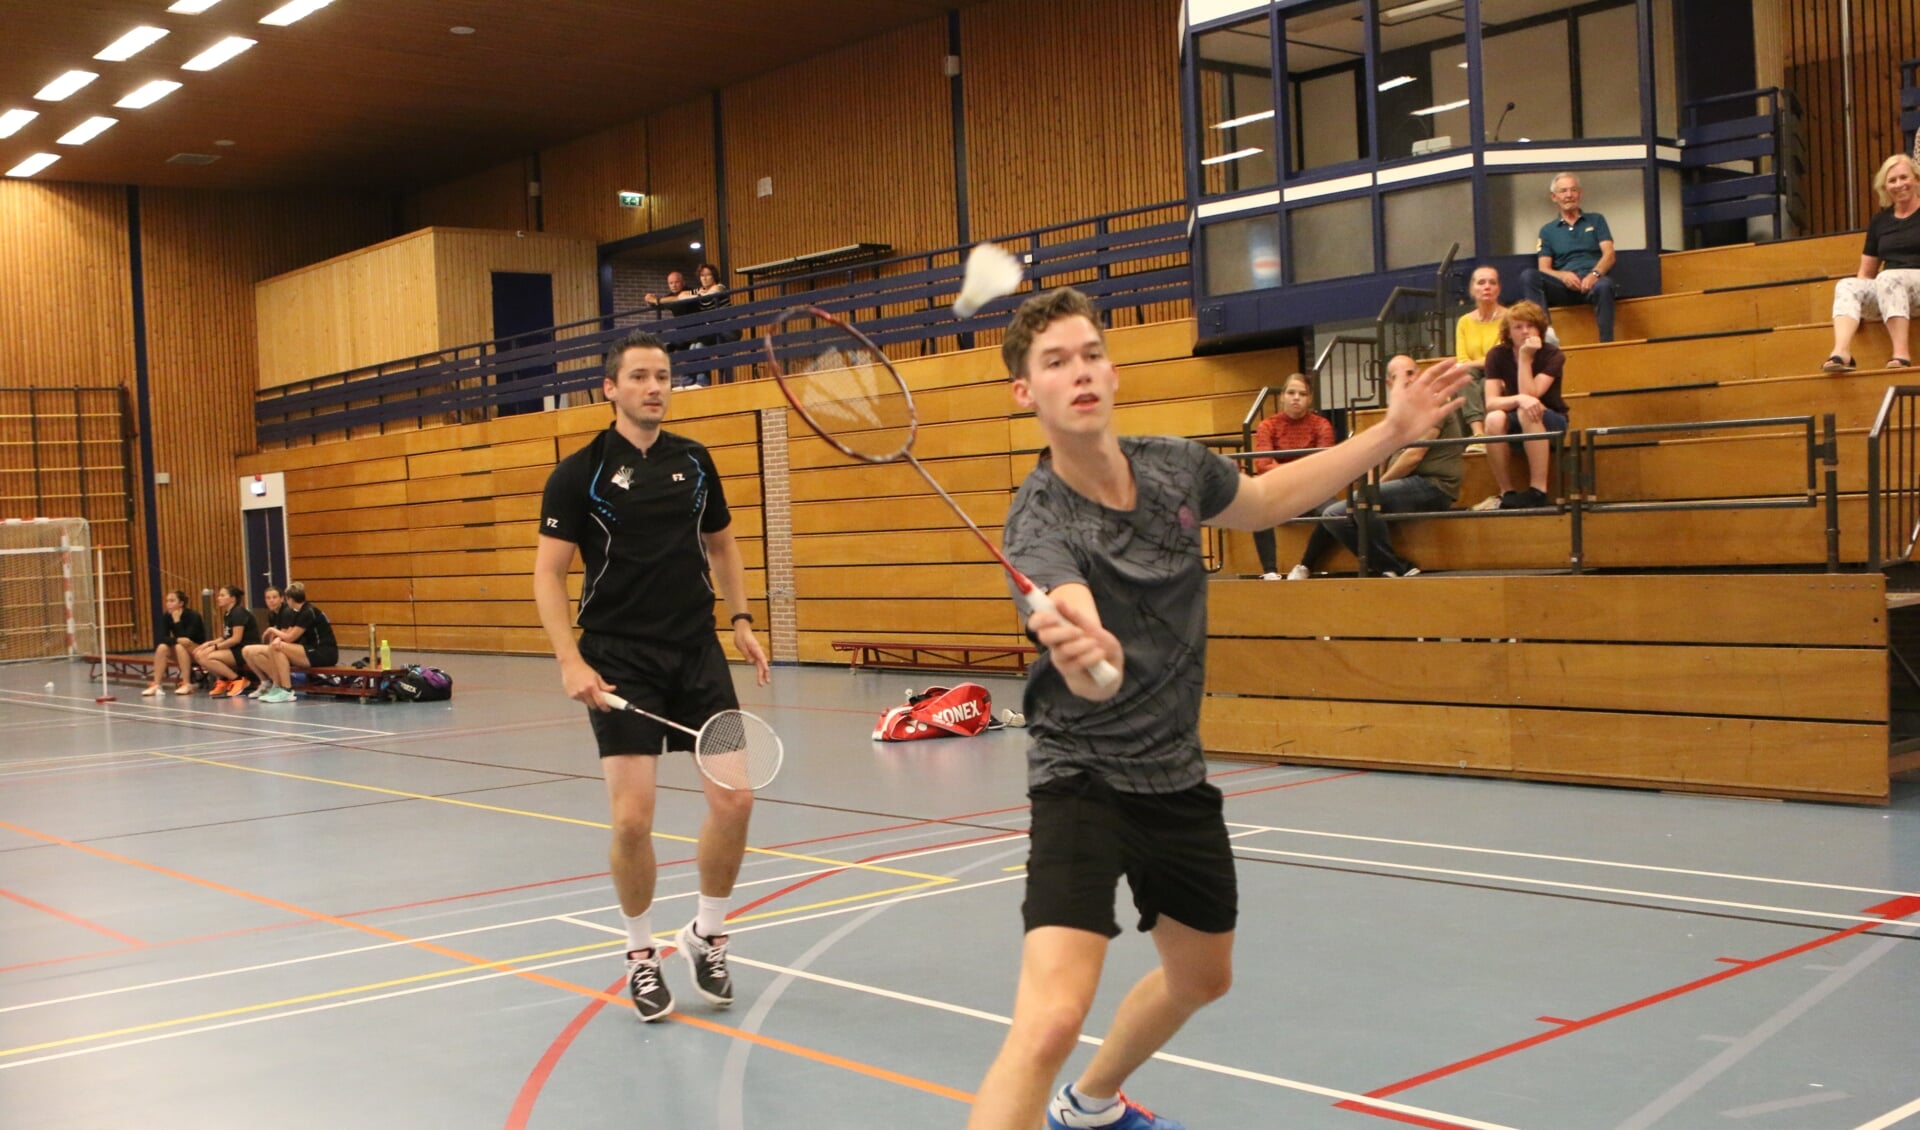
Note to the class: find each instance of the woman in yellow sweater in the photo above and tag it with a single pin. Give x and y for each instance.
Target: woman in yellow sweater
(1477, 331)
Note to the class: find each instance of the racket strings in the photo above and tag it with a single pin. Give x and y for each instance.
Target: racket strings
(738, 751)
(847, 391)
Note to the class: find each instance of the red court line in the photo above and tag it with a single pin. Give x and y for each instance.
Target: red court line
(1297, 784)
(1906, 906)
(75, 919)
(537, 1078)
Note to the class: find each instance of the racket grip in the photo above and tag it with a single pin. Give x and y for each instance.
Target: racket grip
(1103, 673)
(615, 701)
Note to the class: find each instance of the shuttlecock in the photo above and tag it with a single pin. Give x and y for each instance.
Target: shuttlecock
(991, 273)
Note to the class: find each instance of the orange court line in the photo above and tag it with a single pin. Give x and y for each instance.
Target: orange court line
(76, 920)
(769, 1042)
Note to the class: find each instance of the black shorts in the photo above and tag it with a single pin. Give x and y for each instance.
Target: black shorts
(326, 655)
(688, 683)
(1172, 847)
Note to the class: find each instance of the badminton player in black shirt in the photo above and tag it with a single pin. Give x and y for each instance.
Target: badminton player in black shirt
(644, 510)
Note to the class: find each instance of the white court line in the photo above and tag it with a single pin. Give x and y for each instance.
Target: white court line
(1095, 1041)
(1528, 881)
(564, 916)
(1574, 859)
(1892, 1117)
(139, 713)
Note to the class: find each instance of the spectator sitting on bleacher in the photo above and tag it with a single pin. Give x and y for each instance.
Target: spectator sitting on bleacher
(179, 632)
(1524, 384)
(1419, 478)
(1888, 283)
(1477, 331)
(306, 643)
(221, 657)
(711, 295)
(1575, 257)
(678, 299)
(279, 616)
(1294, 427)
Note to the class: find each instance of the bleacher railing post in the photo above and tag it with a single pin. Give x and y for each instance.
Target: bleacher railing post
(1830, 455)
(1577, 508)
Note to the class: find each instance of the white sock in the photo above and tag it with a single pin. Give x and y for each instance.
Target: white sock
(711, 922)
(639, 930)
(1088, 1104)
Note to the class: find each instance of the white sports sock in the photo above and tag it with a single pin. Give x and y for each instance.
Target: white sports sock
(711, 921)
(639, 930)
(1091, 1105)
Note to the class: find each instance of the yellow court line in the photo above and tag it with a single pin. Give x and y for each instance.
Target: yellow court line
(310, 997)
(874, 867)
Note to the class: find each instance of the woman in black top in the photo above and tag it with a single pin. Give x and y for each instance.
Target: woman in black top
(307, 642)
(178, 633)
(1888, 282)
(279, 616)
(222, 656)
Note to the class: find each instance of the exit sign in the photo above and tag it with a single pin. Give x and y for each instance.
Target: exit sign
(630, 199)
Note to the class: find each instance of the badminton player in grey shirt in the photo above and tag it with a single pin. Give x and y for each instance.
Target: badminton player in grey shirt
(1110, 527)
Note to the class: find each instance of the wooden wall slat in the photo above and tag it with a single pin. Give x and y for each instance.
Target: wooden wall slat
(494, 198)
(1883, 35)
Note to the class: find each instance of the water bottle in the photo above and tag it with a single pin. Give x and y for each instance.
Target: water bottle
(386, 657)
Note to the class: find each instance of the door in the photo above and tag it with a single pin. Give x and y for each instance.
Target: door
(522, 318)
(266, 553)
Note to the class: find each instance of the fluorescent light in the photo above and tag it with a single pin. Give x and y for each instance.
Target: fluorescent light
(217, 54)
(64, 85)
(1462, 66)
(13, 121)
(694, 246)
(292, 11)
(1244, 120)
(88, 130)
(1415, 10)
(1440, 109)
(191, 7)
(132, 43)
(147, 95)
(33, 164)
(1393, 82)
(1236, 155)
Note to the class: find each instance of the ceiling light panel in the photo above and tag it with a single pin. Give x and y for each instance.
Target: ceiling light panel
(88, 130)
(131, 44)
(65, 85)
(33, 164)
(191, 7)
(293, 11)
(1245, 120)
(147, 95)
(217, 54)
(13, 121)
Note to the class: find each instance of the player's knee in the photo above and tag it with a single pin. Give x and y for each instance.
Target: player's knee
(732, 805)
(632, 829)
(1201, 986)
(1053, 1031)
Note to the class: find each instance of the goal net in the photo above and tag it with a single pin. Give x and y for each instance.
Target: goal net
(46, 589)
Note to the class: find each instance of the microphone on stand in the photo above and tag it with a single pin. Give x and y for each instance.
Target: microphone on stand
(1502, 121)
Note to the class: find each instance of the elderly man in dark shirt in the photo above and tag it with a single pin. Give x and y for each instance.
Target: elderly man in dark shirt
(1576, 257)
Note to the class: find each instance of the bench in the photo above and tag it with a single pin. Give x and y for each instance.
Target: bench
(355, 682)
(1011, 659)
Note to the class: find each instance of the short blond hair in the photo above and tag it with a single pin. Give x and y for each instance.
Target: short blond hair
(1034, 316)
(1886, 166)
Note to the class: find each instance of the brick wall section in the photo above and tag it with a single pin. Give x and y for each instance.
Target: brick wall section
(776, 515)
(632, 282)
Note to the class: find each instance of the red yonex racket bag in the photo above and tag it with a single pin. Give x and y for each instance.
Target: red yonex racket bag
(937, 712)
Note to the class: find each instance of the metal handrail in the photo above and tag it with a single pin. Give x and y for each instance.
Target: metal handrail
(1370, 349)
(1893, 479)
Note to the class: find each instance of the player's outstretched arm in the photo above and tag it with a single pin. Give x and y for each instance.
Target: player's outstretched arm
(551, 562)
(1413, 411)
(1077, 643)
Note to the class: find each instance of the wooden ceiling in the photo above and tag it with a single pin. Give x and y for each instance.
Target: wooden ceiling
(379, 94)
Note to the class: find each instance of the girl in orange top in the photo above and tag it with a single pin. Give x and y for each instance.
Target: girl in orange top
(1295, 426)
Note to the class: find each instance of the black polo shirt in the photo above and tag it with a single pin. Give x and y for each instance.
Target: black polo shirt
(238, 617)
(1893, 241)
(637, 519)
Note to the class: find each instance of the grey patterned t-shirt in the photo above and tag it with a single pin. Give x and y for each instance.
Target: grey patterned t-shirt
(1150, 586)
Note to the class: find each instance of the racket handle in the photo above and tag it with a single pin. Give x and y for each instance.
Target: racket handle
(615, 701)
(1103, 673)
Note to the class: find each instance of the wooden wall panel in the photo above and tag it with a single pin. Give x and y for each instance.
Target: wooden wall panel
(375, 304)
(1055, 133)
(681, 169)
(203, 252)
(465, 260)
(1883, 34)
(580, 182)
(859, 144)
(66, 315)
(492, 198)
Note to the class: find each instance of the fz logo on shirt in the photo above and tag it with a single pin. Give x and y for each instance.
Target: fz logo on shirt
(553, 523)
(678, 477)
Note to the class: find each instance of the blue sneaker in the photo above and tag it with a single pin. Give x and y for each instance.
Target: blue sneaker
(1064, 1114)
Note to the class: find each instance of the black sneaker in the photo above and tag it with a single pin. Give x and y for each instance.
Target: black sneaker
(1538, 500)
(1512, 500)
(651, 997)
(708, 957)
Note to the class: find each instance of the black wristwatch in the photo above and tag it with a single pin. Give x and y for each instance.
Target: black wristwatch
(739, 616)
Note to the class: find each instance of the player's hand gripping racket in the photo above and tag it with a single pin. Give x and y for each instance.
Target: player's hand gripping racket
(734, 750)
(854, 398)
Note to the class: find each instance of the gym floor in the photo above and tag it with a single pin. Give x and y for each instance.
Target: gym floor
(329, 914)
